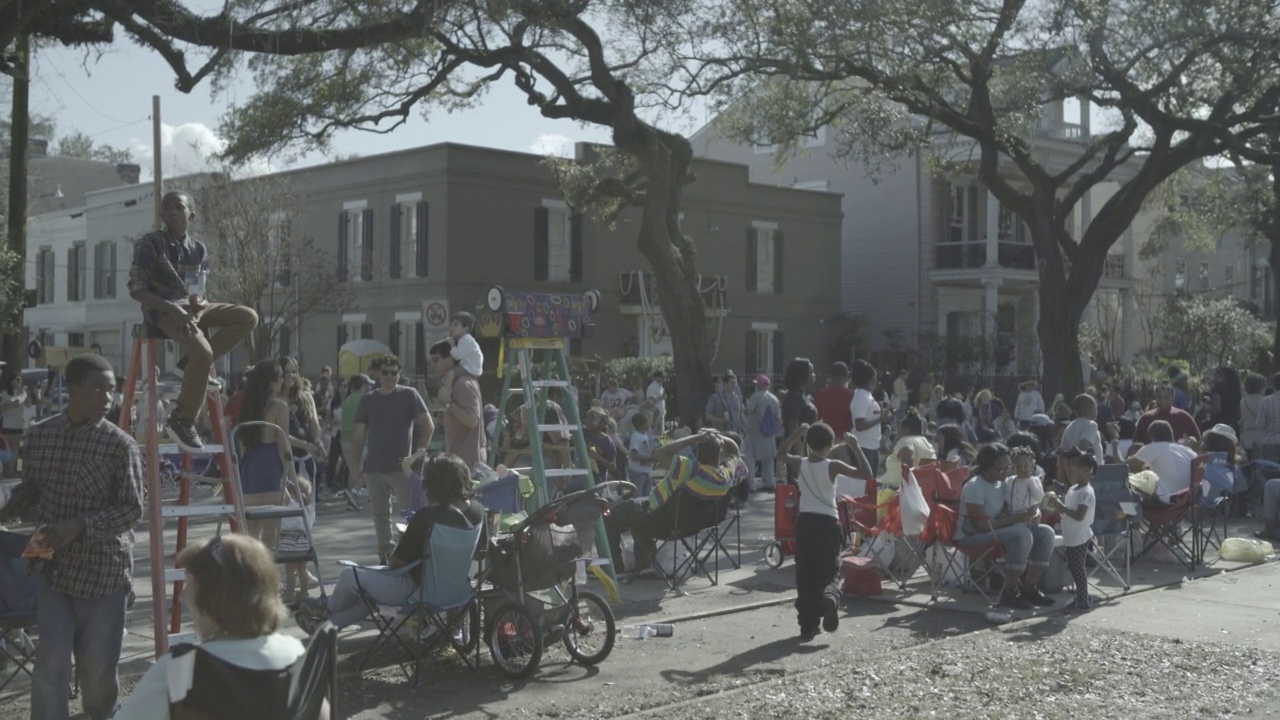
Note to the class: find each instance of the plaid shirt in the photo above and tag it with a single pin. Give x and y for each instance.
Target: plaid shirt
(92, 472)
(159, 264)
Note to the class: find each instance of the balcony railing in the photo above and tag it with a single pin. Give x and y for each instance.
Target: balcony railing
(1011, 256)
(1058, 129)
(639, 288)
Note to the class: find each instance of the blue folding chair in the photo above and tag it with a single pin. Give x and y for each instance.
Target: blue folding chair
(444, 601)
(1118, 512)
(18, 592)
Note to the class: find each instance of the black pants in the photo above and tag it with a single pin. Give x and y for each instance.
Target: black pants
(1079, 575)
(818, 541)
(634, 516)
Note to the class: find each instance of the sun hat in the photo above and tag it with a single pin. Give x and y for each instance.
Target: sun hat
(1225, 431)
(762, 379)
(1027, 384)
(1040, 420)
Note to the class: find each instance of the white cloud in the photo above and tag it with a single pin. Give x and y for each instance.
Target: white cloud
(188, 148)
(552, 144)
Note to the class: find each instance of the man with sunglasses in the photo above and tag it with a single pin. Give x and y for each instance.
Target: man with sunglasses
(385, 417)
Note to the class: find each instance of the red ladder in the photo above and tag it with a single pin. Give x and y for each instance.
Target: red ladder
(232, 509)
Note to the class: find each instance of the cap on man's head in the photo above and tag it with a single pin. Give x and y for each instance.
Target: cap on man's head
(762, 380)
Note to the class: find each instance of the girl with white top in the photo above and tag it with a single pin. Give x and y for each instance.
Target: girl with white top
(1077, 510)
(13, 418)
(818, 536)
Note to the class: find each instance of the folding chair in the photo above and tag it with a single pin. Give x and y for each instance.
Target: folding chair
(1219, 482)
(18, 592)
(217, 690)
(1171, 525)
(446, 595)
(691, 522)
(732, 523)
(982, 561)
(1118, 510)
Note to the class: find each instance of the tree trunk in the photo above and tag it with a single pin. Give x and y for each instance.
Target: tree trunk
(14, 352)
(1062, 304)
(665, 159)
(1273, 235)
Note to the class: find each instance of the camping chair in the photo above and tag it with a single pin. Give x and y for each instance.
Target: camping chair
(444, 600)
(218, 690)
(18, 592)
(691, 522)
(1220, 480)
(982, 561)
(1118, 510)
(1171, 525)
(949, 485)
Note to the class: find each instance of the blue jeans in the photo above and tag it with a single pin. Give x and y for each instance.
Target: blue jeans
(1023, 544)
(93, 631)
(873, 459)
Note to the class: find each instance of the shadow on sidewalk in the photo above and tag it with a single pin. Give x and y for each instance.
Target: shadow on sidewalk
(742, 662)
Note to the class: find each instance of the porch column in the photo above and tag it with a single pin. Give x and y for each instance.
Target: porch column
(1126, 326)
(993, 231)
(1130, 253)
(990, 306)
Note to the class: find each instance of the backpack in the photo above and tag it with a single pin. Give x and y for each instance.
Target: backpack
(769, 422)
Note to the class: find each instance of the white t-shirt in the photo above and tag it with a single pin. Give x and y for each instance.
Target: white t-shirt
(1171, 463)
(1078, 532)
(1080, 430)
(642, 443)
(1029, 403)
(467, 352)
(14, 419)
(865, 407)
(614, 399)
(657, 392)
(150, 698)
(1024, 493)
(817, 491)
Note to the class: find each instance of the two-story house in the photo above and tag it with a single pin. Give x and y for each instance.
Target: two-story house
(930, 262)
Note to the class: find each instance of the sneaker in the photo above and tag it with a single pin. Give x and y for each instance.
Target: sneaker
(1078, 607)
(183, 432)
(1014, 600)
(808, 634)
(830, 614)
(1035, 597)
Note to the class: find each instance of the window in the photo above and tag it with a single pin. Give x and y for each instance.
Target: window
(1180, 275)
(355, 243)
(44, 276)
(104, 270)
(764, 349)
(75, 340)
(962, 210)
(279, 248)
(406, 341)
(1204, 277)
(284, 341)
(557, 244)
(75, 273)
(816, 139)
(764, 259)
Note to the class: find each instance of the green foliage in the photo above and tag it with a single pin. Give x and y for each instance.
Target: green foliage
(1208, 332)
(80, 145)
(636, 372)
(12, 297)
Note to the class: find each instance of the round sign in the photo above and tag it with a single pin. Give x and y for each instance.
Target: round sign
(494, 299)
(437, 316)
(593, 299)
(34, 350)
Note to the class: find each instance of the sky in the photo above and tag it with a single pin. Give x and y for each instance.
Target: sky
(109, 98)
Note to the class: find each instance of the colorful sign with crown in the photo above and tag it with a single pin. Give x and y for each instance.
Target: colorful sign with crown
(543, 315)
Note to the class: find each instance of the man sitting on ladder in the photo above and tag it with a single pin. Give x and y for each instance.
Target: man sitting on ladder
(168, 278)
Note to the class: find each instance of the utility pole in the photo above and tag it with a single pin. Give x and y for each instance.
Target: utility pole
(157, 181)
(20, 118)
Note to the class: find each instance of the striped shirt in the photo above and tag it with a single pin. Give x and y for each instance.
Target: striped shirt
(708, 481)
(93, 472)
(162, 265)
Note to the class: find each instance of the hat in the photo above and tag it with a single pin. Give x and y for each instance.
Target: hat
(762, 379)
(1027, 384)
(1040, 420)
(1225, 431)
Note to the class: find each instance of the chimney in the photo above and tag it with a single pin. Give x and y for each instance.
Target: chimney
(37, 147)
(129, 172)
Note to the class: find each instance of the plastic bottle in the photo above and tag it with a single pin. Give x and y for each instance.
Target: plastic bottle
(999, 617)
(644, 632)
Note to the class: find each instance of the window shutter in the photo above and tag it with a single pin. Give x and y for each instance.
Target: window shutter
(751, 260)
(97, 271)
(284, 277)
(393, 338)
(40, 277)
(342, 246)
(777, 262)
(342, 336)
(420, 348)
(749, 356)
(286, 341)
(541, 241)
(366, 331)
(575, 248)
(71, 274)
(779, 353)
(111, 270)
(366, 246)
(394, 247)
(421, 240)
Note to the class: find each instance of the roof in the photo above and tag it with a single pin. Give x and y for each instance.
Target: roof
(74, 176)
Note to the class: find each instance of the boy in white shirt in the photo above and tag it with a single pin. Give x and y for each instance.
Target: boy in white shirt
(1077, 510)
(1084, 428)
(641, 447)
(657, 394)
(465, 348)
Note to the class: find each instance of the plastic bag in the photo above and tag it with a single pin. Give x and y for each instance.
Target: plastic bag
(1144, 482)
(1246, 550)
(915, 511)
(880, 548)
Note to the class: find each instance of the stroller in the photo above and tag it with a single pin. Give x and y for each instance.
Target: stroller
(546, 552)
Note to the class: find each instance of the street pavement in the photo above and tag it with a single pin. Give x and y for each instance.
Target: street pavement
(736, 634)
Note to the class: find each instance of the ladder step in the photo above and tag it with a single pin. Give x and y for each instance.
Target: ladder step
(173, 511)
(566, 472)
(173, 575)
(183, 637)
(173, 449)
(559, 428)
(306, 556)
(550, 383)
(273, 512)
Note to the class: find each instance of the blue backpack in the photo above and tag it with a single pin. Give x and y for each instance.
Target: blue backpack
(769, 422)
